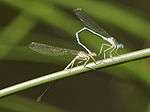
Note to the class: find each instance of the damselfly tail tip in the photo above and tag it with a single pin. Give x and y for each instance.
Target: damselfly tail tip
(32, 44)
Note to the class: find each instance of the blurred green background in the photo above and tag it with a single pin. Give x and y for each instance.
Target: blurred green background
(122, 88)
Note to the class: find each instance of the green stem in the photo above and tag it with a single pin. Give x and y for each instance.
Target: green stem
(145, 53)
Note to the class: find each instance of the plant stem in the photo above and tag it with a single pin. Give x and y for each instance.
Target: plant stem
(145, 53)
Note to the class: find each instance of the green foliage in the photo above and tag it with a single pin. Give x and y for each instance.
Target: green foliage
(55, 14)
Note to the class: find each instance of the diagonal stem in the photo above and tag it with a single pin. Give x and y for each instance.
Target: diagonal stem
(141, 54)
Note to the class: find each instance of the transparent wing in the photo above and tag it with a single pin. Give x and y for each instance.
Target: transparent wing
(51, 50)
(87, 21)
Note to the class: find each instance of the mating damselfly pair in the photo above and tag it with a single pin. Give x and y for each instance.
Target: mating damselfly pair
(82, 56)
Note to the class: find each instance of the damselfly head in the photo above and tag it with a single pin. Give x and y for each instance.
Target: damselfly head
(114, 41)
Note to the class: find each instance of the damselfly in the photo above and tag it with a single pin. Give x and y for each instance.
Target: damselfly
(94, 28)
(81, 56)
